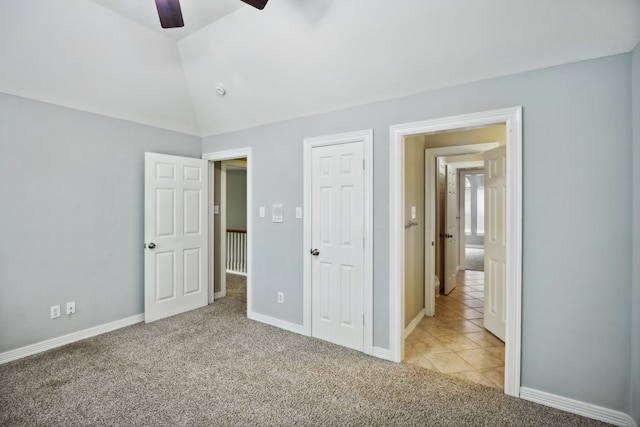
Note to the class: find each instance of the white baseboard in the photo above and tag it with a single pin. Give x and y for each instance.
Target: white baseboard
(219, 295)
(279, 323)
(381, 353)
(29, 350)
(239, 273)
(576, 407)
(413, 324)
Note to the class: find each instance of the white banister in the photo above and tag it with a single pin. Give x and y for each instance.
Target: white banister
(237, 251)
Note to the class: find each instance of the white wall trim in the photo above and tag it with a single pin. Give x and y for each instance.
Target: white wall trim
(513, 119)
(413, 324)
(39, 347)
(278, 323)
(366, 136)
(381, 353)
(215, 156)
(576, 407)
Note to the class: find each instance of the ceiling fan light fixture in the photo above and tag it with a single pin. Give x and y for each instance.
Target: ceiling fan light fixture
(170, 13)
(258, 4)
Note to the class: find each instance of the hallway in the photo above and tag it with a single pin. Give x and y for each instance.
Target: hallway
(454, 341)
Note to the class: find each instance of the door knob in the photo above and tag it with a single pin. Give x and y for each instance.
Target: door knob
(151, 245)
(315, 252)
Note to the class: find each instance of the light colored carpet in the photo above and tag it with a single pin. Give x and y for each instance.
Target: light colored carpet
(214, 367)
(474, 259)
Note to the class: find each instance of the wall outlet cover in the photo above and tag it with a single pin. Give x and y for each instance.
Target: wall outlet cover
(55, 311)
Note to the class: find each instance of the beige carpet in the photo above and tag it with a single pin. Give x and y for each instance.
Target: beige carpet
(214, 367)
(474, 259)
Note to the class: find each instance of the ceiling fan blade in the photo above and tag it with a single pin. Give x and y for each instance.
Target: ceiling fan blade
(170, 13)
(258, 4)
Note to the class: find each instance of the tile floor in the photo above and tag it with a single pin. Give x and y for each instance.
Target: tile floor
(454, 341)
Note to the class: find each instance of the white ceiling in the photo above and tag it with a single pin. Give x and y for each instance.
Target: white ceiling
(294, 58)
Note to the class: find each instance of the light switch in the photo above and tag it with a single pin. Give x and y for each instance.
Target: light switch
(262, 212)
(276, 213)
(413, 212)
(216, 209)
(298, 213)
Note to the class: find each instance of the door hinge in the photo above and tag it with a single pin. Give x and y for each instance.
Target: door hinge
(363, 319)
(363, 164)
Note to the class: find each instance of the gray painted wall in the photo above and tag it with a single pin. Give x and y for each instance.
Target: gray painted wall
(236, 199)
(577, 126)
(71, 221)
(635, 300)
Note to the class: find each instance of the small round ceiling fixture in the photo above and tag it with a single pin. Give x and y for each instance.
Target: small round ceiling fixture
(220, 89)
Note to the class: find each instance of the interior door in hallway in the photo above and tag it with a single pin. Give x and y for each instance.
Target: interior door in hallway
(337, 239)
(451, 231)
(495, 241)
(175, 228)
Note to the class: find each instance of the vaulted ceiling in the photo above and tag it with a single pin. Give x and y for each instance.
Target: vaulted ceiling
(294, 58)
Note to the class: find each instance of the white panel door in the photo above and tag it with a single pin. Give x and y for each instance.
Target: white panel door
(175, 211)
(337, 238)
(495, 241)
(451, 232)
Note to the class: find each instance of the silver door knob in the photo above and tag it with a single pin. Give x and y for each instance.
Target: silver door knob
(151, 245)
(315, 252)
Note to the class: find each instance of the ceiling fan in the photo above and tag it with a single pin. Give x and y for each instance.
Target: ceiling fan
(171, 15)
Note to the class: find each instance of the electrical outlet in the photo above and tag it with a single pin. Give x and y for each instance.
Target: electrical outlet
(55, 311)
(71, 307)
(280, 298)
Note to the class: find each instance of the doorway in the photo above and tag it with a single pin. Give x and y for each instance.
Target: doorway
(512, 118)
(452, 337)
(472, 219)
(221, 165)
(229, 183)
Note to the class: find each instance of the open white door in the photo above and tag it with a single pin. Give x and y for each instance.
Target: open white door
(495, 241)
(337, 239)
(451, 232)
(175, 209)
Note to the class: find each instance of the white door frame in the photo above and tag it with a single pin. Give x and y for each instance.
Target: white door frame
(512, 117)
(366, 136)
(216, 156)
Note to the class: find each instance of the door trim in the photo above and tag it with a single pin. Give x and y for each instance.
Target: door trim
(215, 156)
(397, 133)
(366, 136)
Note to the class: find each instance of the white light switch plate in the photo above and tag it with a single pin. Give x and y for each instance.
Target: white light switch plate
(298, 213)
(276, 213)
(262, 212)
